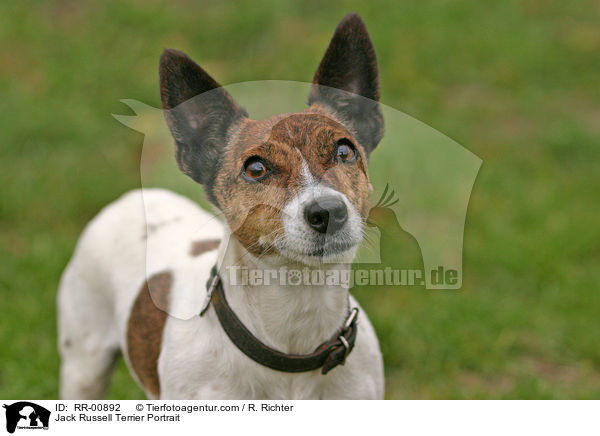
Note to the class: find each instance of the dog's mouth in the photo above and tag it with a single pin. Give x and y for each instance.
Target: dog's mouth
(322, 249)
(330, 248)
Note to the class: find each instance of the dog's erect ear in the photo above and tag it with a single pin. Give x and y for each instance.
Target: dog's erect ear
(200, 114)
(350, 65)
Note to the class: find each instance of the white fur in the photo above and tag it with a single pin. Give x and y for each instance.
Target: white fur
(119, 250)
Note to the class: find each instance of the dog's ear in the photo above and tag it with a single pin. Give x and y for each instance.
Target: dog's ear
(200, 114)
(350, 65)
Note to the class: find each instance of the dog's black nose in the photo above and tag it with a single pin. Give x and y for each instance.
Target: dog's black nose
(326, 214)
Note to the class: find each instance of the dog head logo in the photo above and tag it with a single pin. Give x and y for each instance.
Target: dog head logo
(26, 415)
(278, 177)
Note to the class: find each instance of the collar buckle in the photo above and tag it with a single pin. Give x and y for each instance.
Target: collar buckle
(347, 348)
(349, 321)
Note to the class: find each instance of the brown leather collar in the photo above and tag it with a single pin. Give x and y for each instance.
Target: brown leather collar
(326, 356)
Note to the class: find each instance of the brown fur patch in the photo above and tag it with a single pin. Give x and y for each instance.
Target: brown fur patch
(253, 209)
(145, 329)
(199, 247)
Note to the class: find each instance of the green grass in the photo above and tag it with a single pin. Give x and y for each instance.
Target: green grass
(516, 82)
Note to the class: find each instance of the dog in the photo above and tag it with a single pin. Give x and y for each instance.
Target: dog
(293, 191)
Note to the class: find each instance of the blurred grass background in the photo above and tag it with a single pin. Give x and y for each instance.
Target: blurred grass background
(516, 82)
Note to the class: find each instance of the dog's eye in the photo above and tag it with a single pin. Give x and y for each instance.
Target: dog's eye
(345, 151)
(255, 168)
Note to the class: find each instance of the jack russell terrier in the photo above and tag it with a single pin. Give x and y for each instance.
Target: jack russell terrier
(293, 191)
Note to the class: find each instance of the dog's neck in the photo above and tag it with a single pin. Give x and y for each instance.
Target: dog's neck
(292, 318)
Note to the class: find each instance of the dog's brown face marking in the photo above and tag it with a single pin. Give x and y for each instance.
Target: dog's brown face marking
(199, 247)
(288, 145)
(145, 330)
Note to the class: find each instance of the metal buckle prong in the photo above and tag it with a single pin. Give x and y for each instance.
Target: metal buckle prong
(350, 319)
(209, 292)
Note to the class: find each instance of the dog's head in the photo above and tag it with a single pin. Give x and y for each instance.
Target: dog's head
(294, 185)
